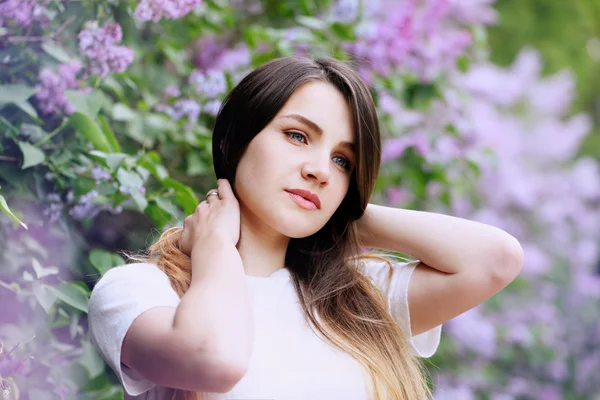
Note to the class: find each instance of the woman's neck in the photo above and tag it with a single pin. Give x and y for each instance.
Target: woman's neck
(262, 249)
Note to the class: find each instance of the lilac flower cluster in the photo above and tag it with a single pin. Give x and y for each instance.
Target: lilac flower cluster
(423, 38)
(536, 189)
(209, 84)
(183, 108)
(51, 87)
(216, 59)
(23, 13)
(155, 10)
(218, 53)
(84, 207)
(54, 207)
(99, 45)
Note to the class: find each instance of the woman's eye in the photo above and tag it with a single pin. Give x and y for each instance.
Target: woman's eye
(345, 163)
(293, 134)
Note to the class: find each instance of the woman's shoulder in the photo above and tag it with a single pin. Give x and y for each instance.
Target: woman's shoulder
(139, 273)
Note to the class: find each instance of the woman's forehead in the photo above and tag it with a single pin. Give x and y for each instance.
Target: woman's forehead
(321, 107)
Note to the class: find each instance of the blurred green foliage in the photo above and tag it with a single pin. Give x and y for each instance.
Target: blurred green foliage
(567, 33)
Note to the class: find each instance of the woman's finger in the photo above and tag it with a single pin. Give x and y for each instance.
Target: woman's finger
(212, 197)
(225, 191)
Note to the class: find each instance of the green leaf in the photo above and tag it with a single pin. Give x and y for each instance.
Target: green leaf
(58, 52)
(196, 165)
(15, 93)
(6, 210)
(44, 295)
(151, 161)
(343, 31)
(122, 112)
(31, 155)
(28, 108)
(129, 178)
(166, 205)
(90, 130)
(91, 359)
(71, 294)
(104, 260)
(183, 194)
(41, 271)
(140, 200)
(109, 134)
(114, 161)
(162, 211)
(86, 103)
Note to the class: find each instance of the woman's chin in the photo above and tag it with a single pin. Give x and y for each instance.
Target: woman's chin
(298, 229)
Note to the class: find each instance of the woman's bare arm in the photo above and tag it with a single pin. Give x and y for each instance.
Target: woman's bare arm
(205, 343)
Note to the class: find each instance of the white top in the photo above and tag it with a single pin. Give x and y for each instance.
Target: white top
(289, 361)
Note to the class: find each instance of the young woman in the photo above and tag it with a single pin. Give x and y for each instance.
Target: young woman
(264, 292)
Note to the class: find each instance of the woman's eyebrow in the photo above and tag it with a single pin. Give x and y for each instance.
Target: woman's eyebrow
(312, 125)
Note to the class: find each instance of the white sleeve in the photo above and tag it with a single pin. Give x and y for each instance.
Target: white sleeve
(118, 298)
(396, 291)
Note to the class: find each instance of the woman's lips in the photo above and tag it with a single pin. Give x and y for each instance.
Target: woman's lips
(302, 202)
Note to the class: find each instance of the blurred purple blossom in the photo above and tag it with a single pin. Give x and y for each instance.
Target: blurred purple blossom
(53, 207)
(219, 53)
(422, 38)
(209, 84)
(212, 107)
(475, 332)
(172, 91)
(86, 208)
(51, 87)
(23, 12)
(99, 45)
(345, 11)
(462, 392)
(99, 174)
(473, 12)
(155, 10)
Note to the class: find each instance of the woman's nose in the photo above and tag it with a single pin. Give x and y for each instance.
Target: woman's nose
(319, 169)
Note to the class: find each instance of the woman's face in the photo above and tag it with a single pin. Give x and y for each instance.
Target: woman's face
(308, 146)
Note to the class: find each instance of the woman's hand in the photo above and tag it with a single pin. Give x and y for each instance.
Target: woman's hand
(217, 215)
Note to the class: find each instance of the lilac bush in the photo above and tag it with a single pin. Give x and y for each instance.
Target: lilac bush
(546, 330)
(99, 45)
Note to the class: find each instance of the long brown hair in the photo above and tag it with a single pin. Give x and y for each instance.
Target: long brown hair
(325, 267)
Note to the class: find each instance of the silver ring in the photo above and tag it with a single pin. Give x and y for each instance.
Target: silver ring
(211, 193)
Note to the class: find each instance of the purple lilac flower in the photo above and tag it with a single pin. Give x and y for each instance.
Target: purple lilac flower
(155, 10)
(473, 12)
(212, 107)
(186, 108)
(207, 49)
(53, 207)
(51, 87)
(475, 332)
(85, 208)
(345, 11)
(210, 84)
(23, 12)
(183, 108)
(99, 45)
(98, 174)
(395, 147)
(462, 392)
(172, 91)
(419, 37)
